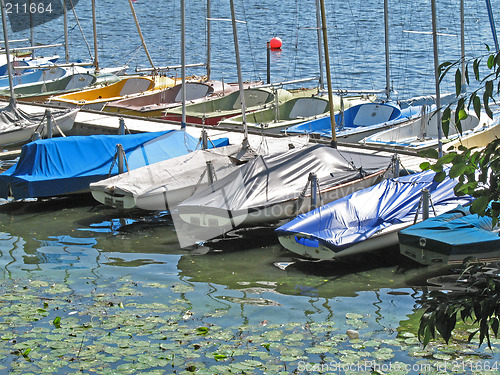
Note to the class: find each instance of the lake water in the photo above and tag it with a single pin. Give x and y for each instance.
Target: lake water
(88, 288)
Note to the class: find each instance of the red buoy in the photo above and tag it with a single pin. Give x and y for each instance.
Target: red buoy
(275, 43)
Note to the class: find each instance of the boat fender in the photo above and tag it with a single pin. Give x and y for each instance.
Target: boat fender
(307, 241)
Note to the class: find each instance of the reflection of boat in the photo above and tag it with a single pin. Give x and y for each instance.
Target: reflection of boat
(422, 133)
(212, 111)
(368, 219)
(273, 187)
(60, 166)
(358, 121)
(17, 126)
(164, 184)
(153, 104)
(97, 98)
(450, 238)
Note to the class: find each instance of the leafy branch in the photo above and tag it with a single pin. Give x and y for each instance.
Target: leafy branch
(477, 170)
(476, 301)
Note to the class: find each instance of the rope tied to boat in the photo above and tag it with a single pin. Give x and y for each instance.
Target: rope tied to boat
(118, 158)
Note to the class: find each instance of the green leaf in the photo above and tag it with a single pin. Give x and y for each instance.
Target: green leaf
(458, 82)
(476, 69)
(480, 204)
(57, 322)
(457, 170)
(26, 352)
(430, 153)
(202, 330)
(425, 165)
(491, 61)
(445, 121)
(477, 105)
(440, 176)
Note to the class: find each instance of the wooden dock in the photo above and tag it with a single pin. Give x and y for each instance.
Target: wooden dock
(95, 122)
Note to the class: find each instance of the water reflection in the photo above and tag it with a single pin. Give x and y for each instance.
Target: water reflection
(248, 275)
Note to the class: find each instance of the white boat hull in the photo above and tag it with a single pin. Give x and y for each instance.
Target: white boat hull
(23, 134)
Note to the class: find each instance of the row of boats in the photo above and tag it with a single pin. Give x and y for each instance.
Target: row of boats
(325, 203)
(358, 119)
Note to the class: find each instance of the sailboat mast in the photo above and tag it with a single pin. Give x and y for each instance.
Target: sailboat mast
(492, 24)
(238, 67)
(462, 39)
(183, 64)
(436, 77)
(209, 46)
(320, 53)
(65, 20)
(7, 54)
(328, 75)
(140, 34)
(94, 22)
(387, 71)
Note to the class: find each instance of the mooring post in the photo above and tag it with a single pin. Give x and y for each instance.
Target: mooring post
(314, 190)
(425, 204)
(121, 129)
(210, 172)
(395, 165)
(48, 115)
(204, 139)
(121, 157)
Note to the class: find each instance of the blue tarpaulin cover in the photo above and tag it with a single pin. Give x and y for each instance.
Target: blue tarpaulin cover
(457, 232)
(356, 217)
(59, 166)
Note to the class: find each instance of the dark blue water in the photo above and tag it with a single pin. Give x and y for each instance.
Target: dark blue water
(82, 252)
(355, 38)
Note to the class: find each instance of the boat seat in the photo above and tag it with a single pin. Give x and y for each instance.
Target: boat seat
(308, 107)
(252, 98)
(135, 85)
(194, 91)
(77, 81)
(371, 114)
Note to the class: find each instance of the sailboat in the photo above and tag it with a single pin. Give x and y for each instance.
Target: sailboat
(17, 126)
(154, 104)
(369, 219)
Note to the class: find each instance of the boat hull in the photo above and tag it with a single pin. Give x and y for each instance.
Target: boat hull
(61, 124)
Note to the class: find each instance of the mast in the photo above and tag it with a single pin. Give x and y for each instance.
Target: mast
(328, 75)
(94, 22)
(140, 34)
(320, 53)
(462, 39)
(492, 24)
(387, 72)
(7, 55)
(240, 79)
(209, 46)
(436, 77)
(66, 46)
(183, 63)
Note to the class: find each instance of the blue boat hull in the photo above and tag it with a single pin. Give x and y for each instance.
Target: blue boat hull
(450, 238)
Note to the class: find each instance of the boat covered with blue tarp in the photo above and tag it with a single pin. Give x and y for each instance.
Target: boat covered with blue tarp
(368, 219)
(450, 238)
(61, 166)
